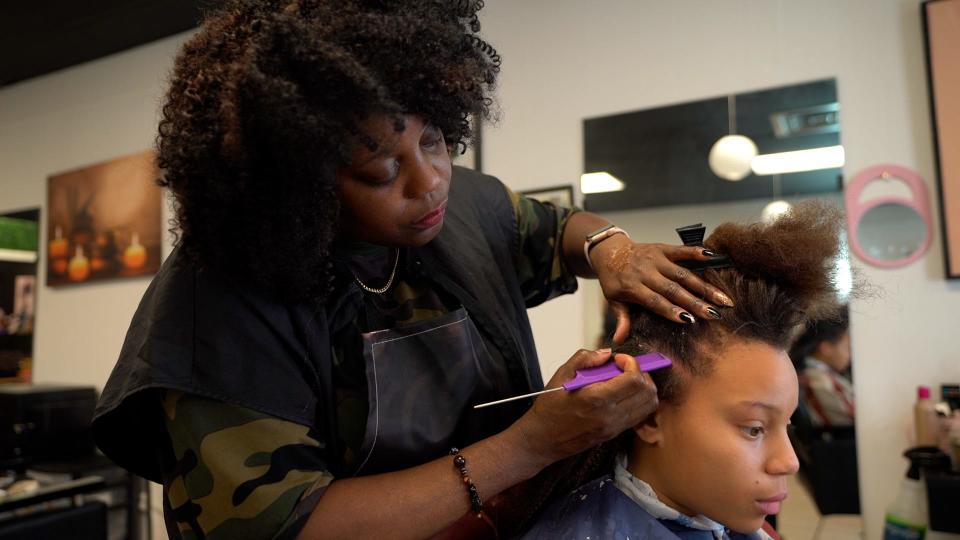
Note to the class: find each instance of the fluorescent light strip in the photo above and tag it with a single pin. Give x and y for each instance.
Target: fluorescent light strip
(18, 255)
(600, 182)
(827, 157)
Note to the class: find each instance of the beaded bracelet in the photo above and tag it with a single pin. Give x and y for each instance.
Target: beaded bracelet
(460, 462)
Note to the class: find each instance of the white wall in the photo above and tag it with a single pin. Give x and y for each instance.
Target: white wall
(75, 117)
(565, 60)
(87, 114)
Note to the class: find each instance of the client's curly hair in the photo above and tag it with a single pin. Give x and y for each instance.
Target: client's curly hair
(781, 279)
(264, 106)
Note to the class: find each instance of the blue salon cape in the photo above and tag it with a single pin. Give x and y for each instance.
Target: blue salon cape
(600, 511)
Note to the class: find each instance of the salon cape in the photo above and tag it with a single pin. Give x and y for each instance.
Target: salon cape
(197, 333)
(621, 506)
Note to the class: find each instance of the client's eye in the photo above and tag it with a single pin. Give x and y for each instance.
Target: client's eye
(752, 432)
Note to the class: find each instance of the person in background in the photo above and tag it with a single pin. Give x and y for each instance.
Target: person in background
(713, 460)
(822, 358)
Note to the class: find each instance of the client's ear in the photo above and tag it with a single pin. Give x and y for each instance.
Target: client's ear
(649, 430)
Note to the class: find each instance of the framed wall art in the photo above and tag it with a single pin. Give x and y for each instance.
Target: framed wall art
(941, 22)
(558, 195)
(104, 221)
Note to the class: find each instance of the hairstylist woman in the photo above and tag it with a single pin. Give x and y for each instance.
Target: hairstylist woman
(340, 296)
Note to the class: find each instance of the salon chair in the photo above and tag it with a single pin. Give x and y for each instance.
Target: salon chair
(828, 463)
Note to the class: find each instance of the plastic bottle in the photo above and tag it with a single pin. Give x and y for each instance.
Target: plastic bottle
(907, 518)
(925, 421)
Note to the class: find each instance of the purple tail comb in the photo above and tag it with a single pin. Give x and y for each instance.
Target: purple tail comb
(646, 362)
(587, 376)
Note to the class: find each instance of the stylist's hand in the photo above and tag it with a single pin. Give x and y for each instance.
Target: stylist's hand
(563, 423)
(647, 274)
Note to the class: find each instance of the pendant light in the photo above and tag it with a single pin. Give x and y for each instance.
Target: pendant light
(778, 206)
(732, 155)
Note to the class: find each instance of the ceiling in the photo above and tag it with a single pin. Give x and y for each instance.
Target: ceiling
(42, 36)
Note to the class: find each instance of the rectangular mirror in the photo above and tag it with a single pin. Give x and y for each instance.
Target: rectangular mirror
(691, 153)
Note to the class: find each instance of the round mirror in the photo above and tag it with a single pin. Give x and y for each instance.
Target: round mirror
(891, 232)
(888, 230)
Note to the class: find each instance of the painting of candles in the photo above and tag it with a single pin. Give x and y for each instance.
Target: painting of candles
(104, 221)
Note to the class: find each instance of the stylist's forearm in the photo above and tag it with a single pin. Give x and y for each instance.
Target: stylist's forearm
(423, 500)
(578, 226)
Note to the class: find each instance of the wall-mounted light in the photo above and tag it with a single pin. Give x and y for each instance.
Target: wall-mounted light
(827, 157)
(600, 182)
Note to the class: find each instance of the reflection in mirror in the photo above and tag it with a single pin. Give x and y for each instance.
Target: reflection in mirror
(18, 279)
(823, 425)
(891, 232)
(821, 355)
(662, 155)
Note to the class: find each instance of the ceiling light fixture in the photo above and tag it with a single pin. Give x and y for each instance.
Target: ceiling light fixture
(778, 207)
(774, 210)
(826, 157)
(732, 155)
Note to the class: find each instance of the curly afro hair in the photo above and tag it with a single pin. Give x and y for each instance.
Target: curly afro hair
(264, 107)
(782, 278)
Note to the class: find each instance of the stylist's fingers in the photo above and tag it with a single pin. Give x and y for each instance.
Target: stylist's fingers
(580, 360)
(638, 402)
(690, 305)
(561, 424)
(688, 279)
(626, 363)
(622, 386)
(623, 321)
(629, 366)
(586, 359)
(656, 302)
(686, 253)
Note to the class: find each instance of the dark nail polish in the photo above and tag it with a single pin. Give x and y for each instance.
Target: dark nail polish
(713, 313)
(708, 253)
(687, 318)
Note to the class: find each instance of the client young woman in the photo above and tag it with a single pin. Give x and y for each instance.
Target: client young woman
(713, 460)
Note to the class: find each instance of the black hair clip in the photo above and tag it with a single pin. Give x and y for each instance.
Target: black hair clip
(692, 235)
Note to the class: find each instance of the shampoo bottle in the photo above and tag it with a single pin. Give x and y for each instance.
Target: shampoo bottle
(925, 422)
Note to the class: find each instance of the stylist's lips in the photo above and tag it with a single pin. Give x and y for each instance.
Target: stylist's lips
(432, 219)
(771, 505)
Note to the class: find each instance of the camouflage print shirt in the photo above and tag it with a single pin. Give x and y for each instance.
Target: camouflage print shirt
(240, 473)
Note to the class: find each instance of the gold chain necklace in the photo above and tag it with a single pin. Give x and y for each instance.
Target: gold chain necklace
(383, 289)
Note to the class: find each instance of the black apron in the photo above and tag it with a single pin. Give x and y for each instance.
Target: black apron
(422, 383)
